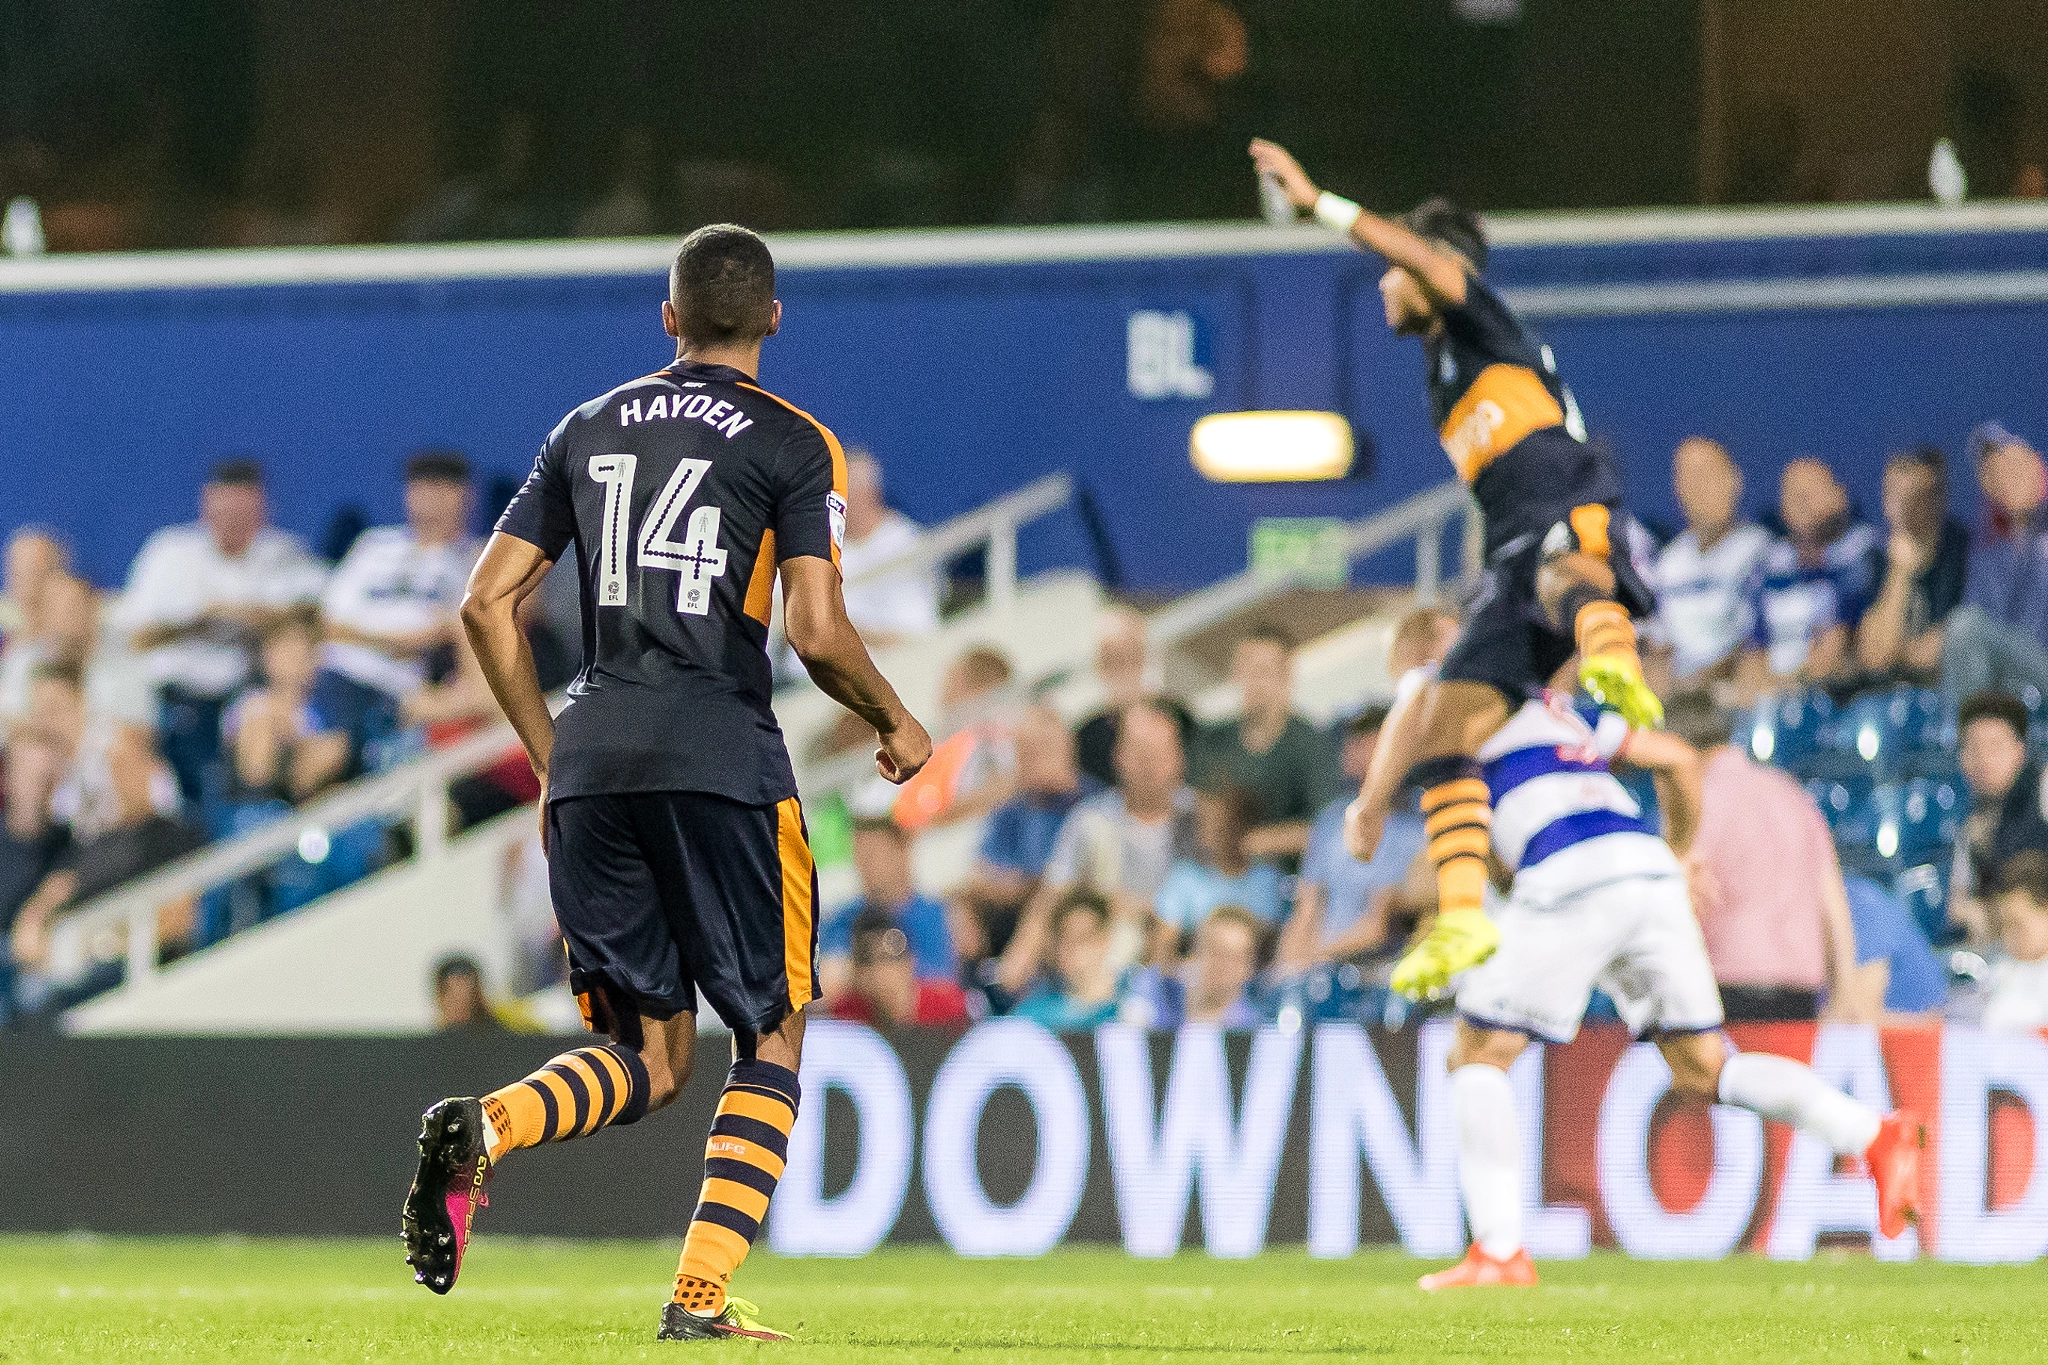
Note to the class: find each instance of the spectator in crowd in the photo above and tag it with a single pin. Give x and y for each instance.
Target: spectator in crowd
(460, 1005)
(898, 605)
(33, 554)
(1081, 990)
(32, 843)
(1119, 844)
(2017, 1001)
(1282, 760)
(140, 840)
(885, 988)
(1925, 565)
(390, 607)
(282, 747)
(58, 716)
(1213, 987)
(2008, 803)
(1813, 586)
(1705, 575)
(34, 557)
(1422, 637)
(1018, 838)
(1122, 669)
(1220, 872)
(972, 768)
(115, 688)
(881, 857)
(1897, 979)
(1343, 908)
(1765, 883)
(197, 595)
(1998, 637)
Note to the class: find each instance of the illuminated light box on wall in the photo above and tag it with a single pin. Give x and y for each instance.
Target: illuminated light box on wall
(1271, 447)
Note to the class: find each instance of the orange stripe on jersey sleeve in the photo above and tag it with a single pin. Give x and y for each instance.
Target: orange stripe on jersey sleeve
(1505, 404)
(831, 444)
(761, 583)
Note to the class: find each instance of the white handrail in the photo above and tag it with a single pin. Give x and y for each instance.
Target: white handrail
(995, 524)
(1421, 518)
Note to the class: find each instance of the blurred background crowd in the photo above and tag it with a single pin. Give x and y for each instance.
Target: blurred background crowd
(1867, 677)
(141, 124)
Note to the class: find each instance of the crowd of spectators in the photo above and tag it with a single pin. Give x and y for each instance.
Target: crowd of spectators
(234, 677)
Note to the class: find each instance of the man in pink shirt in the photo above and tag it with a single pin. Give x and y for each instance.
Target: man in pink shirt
(1765, 883)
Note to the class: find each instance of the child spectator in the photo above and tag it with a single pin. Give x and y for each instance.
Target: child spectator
(1998, 637)
(1925, 566)
(1704, 576)
(1081, 990)
(2018, 998)
(881, 857)
(2008, 803)
(1282, 760)
(459, 1002)
(1213, 987)
(1220, 873)
(1814, 586)
(885, 989)
(282, 748)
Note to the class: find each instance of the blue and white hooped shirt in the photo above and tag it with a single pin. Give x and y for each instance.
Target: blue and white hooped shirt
(1562, 823)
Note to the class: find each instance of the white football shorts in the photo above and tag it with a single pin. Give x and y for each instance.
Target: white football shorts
(1635, 938)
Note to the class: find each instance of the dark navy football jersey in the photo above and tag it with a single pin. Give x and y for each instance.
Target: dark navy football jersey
(682, 492)
(1491, 384)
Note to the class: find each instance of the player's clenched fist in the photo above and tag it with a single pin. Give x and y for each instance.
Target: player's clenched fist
(1274, 160)
(1362, 828)
(904, 751)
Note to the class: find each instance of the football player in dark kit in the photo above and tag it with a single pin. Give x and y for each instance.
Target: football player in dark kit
(677, 855)
(1557, 578)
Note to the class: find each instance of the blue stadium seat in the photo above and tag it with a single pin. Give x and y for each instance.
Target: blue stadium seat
(1785, 729)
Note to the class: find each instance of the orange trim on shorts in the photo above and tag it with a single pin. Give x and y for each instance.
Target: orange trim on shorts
(798, 923)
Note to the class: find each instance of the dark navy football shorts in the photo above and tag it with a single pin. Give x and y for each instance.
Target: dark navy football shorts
(663, 895)
(1506, 641)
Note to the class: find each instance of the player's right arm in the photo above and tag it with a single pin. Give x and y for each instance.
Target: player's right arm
(1439, 271)
(817, 628)
(507, 574)
(1674, 766)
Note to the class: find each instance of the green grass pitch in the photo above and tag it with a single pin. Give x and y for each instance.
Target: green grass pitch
(124, 1299)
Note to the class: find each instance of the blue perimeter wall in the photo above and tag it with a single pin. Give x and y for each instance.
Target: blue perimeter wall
(968, 380)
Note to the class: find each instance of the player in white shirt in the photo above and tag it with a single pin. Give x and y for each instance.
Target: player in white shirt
(1598, 898)
(197, 598)
(393, 599)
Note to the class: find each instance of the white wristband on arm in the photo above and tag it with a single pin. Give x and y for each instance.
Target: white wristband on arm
(1337, 212)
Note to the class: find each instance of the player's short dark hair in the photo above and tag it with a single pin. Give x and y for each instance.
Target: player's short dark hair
(238, 471)
(723, 286)
(437, 465)
(2027, 873)
(1994, 705)
(1444, 222)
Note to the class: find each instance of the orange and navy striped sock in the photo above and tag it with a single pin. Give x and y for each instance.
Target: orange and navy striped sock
(1604, 631)
(1458, 821)
(742, 1161)
(572, 1096)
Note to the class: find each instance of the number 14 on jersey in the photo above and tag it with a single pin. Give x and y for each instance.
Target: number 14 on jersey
(697, 557)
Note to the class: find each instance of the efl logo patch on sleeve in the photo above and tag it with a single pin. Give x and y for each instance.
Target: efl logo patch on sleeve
(835, 508)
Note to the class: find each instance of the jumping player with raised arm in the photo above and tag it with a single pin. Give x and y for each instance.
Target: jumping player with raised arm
(677, 854)
(1554, 584)
(1599, 898)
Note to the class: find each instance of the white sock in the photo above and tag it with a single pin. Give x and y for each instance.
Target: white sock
(1489, 1157)
(1788, 1091)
